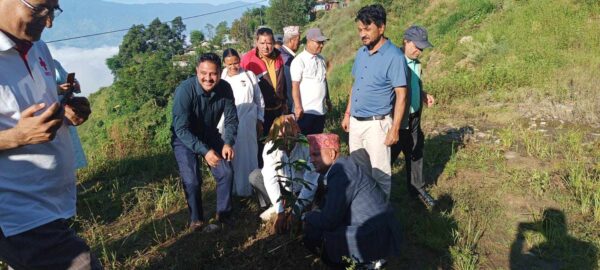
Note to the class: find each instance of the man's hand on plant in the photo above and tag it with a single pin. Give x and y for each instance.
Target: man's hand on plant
(294, 223)
(212, 158)
(281, 223)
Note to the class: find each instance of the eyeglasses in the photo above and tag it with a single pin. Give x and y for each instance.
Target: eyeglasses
(42, 11)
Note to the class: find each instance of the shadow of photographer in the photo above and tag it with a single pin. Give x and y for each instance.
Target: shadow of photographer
(559, 250)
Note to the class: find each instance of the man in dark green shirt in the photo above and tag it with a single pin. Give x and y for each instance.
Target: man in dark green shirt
(198, 105)
(411, 135)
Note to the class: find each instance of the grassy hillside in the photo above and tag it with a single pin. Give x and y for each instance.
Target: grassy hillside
(513, 146)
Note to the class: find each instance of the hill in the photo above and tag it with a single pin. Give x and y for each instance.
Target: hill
(90, 16)
(513, 147)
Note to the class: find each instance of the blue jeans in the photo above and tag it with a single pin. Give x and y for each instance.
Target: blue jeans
(189, 169)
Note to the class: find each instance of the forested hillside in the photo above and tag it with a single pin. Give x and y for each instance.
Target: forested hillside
(512, 145)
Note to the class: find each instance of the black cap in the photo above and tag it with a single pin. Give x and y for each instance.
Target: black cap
(278, 39)
(418, 35)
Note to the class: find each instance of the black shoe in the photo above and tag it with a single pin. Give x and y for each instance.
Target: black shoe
(412, 191)
(426, 198)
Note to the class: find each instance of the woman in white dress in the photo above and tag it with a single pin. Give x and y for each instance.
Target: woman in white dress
(250, 109)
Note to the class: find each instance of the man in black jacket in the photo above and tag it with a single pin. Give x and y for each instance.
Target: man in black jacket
(198, 105)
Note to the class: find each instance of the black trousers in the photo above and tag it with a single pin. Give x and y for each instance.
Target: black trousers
(411, 144)
(53, 245)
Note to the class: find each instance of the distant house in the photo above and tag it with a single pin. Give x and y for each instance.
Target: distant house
(180, 64)
(327, 5)
(228, 40)
(205, 44)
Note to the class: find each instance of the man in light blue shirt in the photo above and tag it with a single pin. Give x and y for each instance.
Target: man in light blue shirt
(37, 177)
(377, 102)
(411, 136)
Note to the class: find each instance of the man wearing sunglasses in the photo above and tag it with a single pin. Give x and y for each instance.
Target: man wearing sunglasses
(37, 180)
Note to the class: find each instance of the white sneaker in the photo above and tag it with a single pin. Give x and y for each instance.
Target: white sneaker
(374, 265)
(266, 215)
(379, 264)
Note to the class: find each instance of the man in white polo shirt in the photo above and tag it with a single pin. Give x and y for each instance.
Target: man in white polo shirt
(37, 181)
(309, 84)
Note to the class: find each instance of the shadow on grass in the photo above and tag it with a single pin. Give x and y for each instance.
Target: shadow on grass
(427, 233)
(155, 232)
(558, 251)
(439, 150)
(104, 194)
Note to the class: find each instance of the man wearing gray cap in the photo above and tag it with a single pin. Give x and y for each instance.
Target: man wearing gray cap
(309, 84)
(411, 136)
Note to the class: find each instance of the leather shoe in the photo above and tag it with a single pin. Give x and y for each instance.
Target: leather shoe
(195, 225)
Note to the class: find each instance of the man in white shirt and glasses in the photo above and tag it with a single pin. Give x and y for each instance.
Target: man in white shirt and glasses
(37, 180)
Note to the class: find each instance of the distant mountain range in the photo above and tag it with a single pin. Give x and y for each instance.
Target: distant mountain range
(83, 17)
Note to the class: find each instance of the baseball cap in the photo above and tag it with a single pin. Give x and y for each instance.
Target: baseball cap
(278, 39)
(315, 34)
(418, 35)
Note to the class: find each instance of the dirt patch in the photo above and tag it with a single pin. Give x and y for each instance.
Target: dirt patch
(521, 162)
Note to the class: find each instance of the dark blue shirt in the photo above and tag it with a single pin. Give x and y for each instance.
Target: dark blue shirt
(196, 114)
(375, 77)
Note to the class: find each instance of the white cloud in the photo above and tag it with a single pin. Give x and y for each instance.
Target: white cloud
(89, 65)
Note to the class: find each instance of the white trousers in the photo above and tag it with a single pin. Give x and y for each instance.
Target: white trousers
(370, 136)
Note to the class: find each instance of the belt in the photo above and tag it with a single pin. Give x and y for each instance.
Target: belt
(274, 108)
(369, 118)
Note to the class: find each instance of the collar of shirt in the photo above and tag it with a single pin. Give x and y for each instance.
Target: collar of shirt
(310, 55)
(384, 47)
(272, 56)
(6, 43)
(266, 59)
(288, 50)
(411, 61)
(326, 175)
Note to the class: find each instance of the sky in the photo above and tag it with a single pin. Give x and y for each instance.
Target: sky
(178, 1)
(89, 65)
